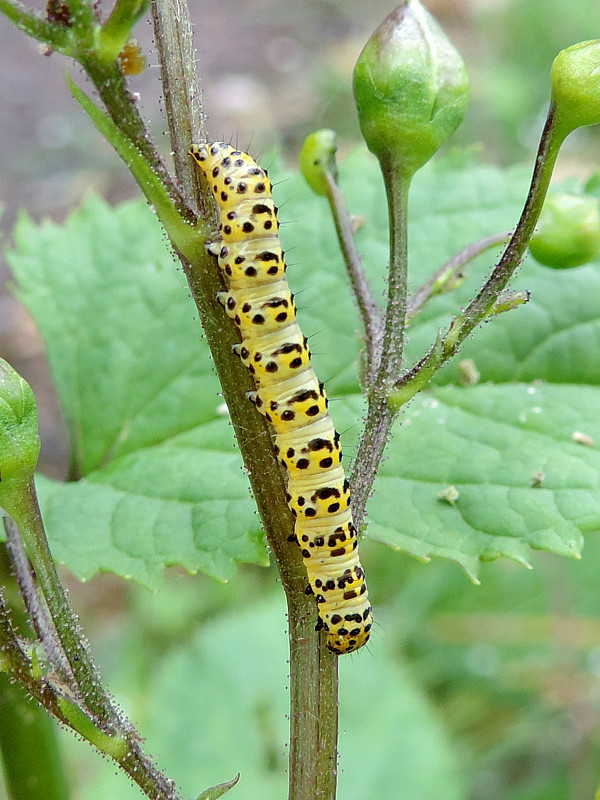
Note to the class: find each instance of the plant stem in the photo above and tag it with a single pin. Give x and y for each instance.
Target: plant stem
(113, 91)
(38, 613)
(483, 304)
(368, 308)
(313, 704)
(313, 669)
(179, 78)
(397, 186)
(477, 310)
(380, 417)
(452, 268)
(67, 625)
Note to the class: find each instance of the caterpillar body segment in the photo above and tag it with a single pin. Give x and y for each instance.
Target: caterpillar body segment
(288, 392)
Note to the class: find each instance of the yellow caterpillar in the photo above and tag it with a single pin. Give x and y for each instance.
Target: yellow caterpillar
(288, 392)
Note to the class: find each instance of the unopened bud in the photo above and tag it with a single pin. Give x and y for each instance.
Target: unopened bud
(575, 79)
(317, 158)
(411, 88)
(19, 440)
(568, 232)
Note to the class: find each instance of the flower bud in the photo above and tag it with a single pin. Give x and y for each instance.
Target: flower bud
(575, 80)
(568, 231)
(19, 440)
(411, 88)
(318, 157)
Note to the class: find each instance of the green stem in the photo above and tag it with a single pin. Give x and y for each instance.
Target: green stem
(481, 306)
(113, 91)
(18, 666)
(313, 703)
(187, 238)
(484, 304)
(114, 33)
(179, 79)
(397, 186)
(452, 269)
(32, 761)
(380, 416)
(55, 36)
(37, 611)
(65, 620)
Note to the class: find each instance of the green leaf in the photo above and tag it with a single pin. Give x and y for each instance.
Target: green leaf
(488, 442)
(218, 791)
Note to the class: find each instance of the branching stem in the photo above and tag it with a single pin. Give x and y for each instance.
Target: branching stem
(482, 306)
(380, 417)
(383, 409)
(452, 269)
(38, 613)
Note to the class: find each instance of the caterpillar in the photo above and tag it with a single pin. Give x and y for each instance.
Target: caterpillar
(288, 392)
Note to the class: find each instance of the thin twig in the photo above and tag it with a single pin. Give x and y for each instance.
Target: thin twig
(483, 304)
(31, 529)
(37, 610)
(477, 310)
(179, 79)
(370, 312)
(451, 270)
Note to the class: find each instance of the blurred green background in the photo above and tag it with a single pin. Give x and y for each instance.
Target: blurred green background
(511, 668)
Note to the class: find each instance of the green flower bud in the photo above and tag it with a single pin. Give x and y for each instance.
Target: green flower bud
(19, 440)
(575, 80)
(568, 231)
(411, 88)
(318, 157)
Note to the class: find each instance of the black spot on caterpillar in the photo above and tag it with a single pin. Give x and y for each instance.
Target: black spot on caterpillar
(288, 392)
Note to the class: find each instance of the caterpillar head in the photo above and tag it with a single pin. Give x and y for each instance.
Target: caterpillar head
(231, 174)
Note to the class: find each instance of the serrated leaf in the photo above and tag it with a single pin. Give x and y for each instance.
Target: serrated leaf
(183, 502)
(489, 442)
(119, 328)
